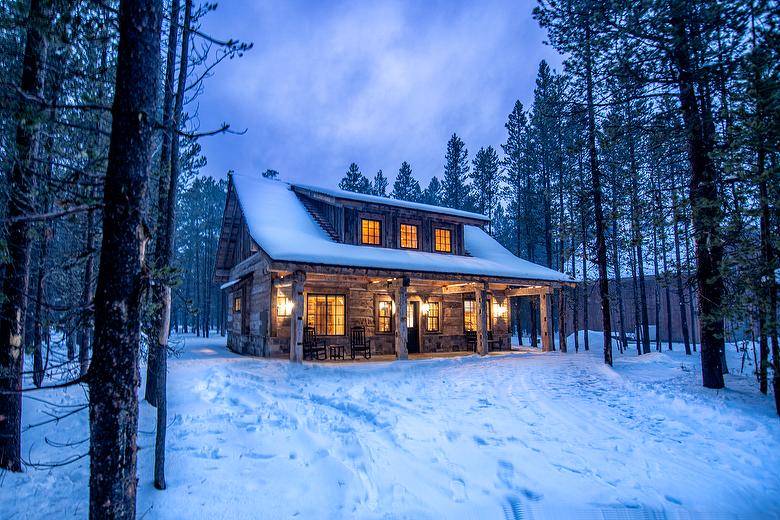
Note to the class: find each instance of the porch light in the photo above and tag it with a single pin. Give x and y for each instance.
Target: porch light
(288, 306)
(499, 311)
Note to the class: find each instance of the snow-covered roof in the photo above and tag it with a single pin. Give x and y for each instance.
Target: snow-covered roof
(349, 195)
(280, 224)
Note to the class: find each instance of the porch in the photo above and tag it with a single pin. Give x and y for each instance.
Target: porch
(407, 316)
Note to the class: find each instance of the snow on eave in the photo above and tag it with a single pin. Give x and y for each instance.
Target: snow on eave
(374, 199)
(283, 229)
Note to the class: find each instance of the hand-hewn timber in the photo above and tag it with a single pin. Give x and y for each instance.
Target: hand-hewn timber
(401, 331)
(296, 327)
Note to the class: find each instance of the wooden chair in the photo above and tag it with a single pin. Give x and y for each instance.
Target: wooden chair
(313, 347)
(358, 343)
(471, 340)
(495, 344)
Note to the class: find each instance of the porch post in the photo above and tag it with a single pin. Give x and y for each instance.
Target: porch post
(401, 333)
(545, 318)
(562, 320)
(296, 321)
(482, 317)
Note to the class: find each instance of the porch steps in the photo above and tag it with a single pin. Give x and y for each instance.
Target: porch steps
(319, 219)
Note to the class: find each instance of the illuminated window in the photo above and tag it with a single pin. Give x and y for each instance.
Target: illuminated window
(443, 239)
(371, 232)
(470, 315)
(284, 305)
(237, 304)
(408, 236)
(384, 317)
(325, 312)
(433, 316)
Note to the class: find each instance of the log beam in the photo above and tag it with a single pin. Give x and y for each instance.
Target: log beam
(296, 322)
(545, 319)
(482, 317)
(460, 288)
(529, 291)
(401, 332)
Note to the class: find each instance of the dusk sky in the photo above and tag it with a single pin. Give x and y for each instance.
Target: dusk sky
(377, 83)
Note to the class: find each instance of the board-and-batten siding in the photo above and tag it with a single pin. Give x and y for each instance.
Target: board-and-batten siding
(346, 220)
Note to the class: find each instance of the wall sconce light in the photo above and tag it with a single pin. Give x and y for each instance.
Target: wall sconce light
(499, 311)
(284, 306)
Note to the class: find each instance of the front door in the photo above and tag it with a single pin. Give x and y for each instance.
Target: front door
(413, 327)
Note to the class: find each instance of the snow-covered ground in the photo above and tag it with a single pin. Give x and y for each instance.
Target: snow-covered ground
(521, 435)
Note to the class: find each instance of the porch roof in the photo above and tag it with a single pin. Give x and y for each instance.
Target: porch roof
(282, 227)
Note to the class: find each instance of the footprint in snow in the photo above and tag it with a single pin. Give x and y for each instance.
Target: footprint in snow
(458, 489)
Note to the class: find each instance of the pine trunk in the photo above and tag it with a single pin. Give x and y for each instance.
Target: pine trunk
(705, 204)
(113, 376)
(21, 186)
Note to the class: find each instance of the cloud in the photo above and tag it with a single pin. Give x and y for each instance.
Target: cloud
(372, 82)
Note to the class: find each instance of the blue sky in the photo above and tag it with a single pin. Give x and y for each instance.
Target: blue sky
(377, 83)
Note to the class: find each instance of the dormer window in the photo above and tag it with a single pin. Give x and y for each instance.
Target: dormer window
(371, 232)
(408, 236)
(443, 240)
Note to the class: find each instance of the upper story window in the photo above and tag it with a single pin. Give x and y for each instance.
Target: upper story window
(408, 236)
(443, 240)
(371, 232)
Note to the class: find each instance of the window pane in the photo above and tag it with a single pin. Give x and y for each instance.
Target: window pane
(433, 317)
(408, 236)
(371, 232)
(470, 315)
(443, 239)
(384, 314)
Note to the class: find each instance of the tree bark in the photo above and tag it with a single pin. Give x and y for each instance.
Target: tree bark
(113, 377)
(164, 174)
(21, 202)
(601, 244)
(705, 203)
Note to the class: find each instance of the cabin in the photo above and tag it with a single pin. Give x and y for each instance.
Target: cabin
(311, 270)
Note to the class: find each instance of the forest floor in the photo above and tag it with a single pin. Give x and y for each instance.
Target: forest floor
(521, 435)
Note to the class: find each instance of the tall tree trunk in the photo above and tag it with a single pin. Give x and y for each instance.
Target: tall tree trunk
(705, 203)
(618, 281)
(680, 292)
(21, 201)
(167, 230)
(164, 174)
(601, 244)
(113, 376)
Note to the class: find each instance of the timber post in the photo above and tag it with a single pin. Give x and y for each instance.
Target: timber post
(545, 318)
(296, 323)
(401, 332)
(482, 317)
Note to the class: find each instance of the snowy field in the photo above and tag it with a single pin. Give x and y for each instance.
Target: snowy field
(521, 435)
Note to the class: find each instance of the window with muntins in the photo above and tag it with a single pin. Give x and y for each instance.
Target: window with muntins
(443, 240)
(384, 316)
(371, 232)
(408, 236)
(237, 304)
(325, 312)
(434, 313)
(470, 315)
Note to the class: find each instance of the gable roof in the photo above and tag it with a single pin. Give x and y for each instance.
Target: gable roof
(362, 197)
(282, 227)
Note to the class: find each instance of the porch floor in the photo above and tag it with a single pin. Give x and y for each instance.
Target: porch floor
(422, 355)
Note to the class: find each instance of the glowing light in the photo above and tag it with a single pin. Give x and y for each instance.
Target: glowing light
(425, 308)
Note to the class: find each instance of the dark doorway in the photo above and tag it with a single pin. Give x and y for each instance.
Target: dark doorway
(413, 327)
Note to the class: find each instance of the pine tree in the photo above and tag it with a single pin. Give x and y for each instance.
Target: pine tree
(270, 174)
(433, 193)
(355, 181)
(485, 177)
(406, 186)
(379, 185)
(456, 169)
